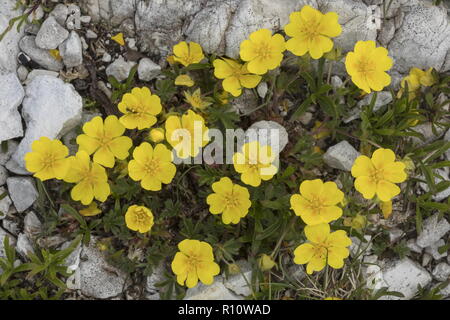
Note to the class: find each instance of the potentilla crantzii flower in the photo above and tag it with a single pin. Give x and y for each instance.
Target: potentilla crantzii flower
(194, 261)
(152, 166)
(263, 51)
(311, 31)
(196, 100)
(323, 248)
(378, 175)
(230, 199)
(105, 140)
(236, 76)
(367, 65)
(187, 54)
(47, 160)
(255, 163)
(90, 178)
(140, 108)
(139, 218)
(317, 202)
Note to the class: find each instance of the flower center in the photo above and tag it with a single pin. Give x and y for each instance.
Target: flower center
(311, 29)
(316, 204)
(138, 108)
(376, 175)
(140, 217)
(90, 177)
(231, 201)
(365, 66)
(152, 167)
(49, 160)
(193, 261)
(263, 51)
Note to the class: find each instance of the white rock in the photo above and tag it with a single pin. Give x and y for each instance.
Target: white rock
(22, 191)
(11, 93)
(5, 203)
(12, 226)
(426, 129)
(341, 156)
(433, 250)
(22, 73)
(32, 225)
(46, 96)
(73, 259)
(24, 246)
(395, 234)
(215, 291)
(373, 275)
(432, 231)
(97, 9)
(74, 281)
(405, 276)
(156, 277)
(359, 248)
(9, 48)
(441, 272)
(441, 174)
(262, 89)
(422, 39)
(71, 50)
(426, 259)
(306, 118)
(238, 283)
(120, 69)
(40, 72)
(51, 34)
(12, 242)
(91, 34)
(73, 21)
(11, 147)
(411, 245)
(214, 20)
(106, 57)
(60, 12)
(245, 103)
(98, 279)
(336, 82)
(268, 133)
(148, 70)
(121, 10)
(383, 98)
(387, 32)
(40, 56)
(85, 19)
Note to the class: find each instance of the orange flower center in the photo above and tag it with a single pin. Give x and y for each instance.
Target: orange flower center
(140, 217)
(376, 175)
(264, 51)
(366, 66)
(49, 160)
(193, 261)
(231, 200)
(152, 167)
(316, 204)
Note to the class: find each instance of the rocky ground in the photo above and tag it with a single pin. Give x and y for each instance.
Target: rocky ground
(44, 96)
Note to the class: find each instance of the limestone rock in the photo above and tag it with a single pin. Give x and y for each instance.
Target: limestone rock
(11, 93)
(40, 56)
(341, 156)
(51, 34)
(22, 191)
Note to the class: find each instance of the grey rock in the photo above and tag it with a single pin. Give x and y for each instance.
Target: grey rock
(306, 118)
(148, 70)
(32, 225)
(238, 282)
(12, 226)
(297, 271)
(51, 34)
(245, 103)
(11, 93)
(262, 89)
(383, 98)
(36, 15)
(73, 21)
(336, 82)
(120, 69)
(432, 230)
(405, 276)
(387, 32)
(40, 72)
(9, 48)
(433, 250)
(71, 50)
(422, 38)
(98, 279)
(268, 133)
(341, 156)
(40, 56)
(156, 277)
(22, 73)
(46, 95)
(395, 234)
(5, 203)
(121, 10)
(359, 248)
(440, 175)
(128, 27)
(11, 147)
(12, 242)
(91, 34)
(22, 191)
(441, 271)
(215, 291)
(24, 246)
(72, 261)
(426, 129)
(426, 259)
(85, 19)
(97, 9)
(60, 13)
(411, 245)
(214, 20)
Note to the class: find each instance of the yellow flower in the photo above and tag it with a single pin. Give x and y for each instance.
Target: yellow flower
(262, 51)
(105, 140)
(157, 135)
(415, 79)
(265, 262)
(317, 202)
(357, 223)
(91, 210)
(332, 298)
(90, 178)
(230, 199)
(140, 108)
(195, 99)
(254, 163)
(119, 39)
(324, 248)
(171, 59)
(378, 174)
(187, 134)
(47, 159)
(184, 80)
(386, 208)
(187, 54)
(236, 76)
(152, 166)
(367, 65)
(223, 97)
(55, 54)
(194, 261)
(320, 131)
(139, 218)
(311, 31)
